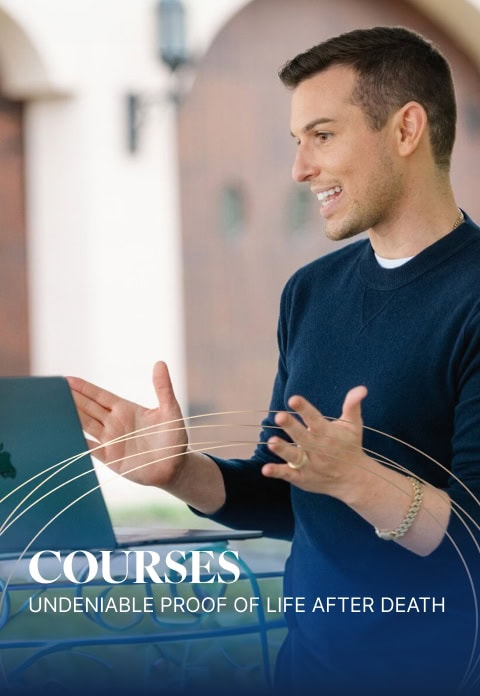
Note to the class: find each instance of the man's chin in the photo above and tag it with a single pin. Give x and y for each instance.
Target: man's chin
(337, 233)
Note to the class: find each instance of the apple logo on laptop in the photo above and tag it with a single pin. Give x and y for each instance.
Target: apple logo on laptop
(7, 470)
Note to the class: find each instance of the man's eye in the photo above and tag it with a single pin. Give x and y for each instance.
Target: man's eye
(323, 136)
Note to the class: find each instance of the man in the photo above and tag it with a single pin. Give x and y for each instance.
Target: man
(380, 515)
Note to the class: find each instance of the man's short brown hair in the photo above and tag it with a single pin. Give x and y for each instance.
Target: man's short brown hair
(394, 66)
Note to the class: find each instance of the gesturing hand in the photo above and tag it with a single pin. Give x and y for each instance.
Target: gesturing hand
(326, 456)
(106, 417)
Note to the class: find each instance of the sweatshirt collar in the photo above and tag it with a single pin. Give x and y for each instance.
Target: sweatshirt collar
(374, 276)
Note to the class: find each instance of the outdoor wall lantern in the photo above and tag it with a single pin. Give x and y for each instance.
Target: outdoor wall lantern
(172, 51)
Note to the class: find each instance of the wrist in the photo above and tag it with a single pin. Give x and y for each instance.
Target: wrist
(199, 483)
(357, 485)
(410, 516)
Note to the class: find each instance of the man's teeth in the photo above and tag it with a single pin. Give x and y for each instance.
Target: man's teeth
(323, 196)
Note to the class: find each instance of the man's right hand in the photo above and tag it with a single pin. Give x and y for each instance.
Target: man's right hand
(146, 445)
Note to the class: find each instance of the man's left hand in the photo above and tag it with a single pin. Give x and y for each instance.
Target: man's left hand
(326, 455)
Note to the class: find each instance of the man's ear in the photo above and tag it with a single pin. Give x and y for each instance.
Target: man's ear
(410, 126)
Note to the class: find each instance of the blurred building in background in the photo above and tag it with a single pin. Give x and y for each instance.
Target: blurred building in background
(146, 204)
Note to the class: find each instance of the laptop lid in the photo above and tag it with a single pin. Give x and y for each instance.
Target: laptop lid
(49, 492)
(50, 497)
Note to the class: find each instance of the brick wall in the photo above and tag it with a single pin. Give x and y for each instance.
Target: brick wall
(14, 358)
(233, 131)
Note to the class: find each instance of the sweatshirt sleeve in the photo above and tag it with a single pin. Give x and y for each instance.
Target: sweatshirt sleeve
(463, 536)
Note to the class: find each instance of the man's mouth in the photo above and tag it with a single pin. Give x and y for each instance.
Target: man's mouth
(326, 197)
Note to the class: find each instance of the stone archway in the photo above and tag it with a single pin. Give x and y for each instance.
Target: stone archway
(245, 229)
(23, 74)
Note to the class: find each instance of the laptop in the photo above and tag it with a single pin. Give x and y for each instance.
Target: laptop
(50, 497)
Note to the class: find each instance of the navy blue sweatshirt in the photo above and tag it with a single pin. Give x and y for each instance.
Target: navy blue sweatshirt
(412, 336)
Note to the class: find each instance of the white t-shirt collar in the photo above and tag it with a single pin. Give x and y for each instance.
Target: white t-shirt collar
(391, 263)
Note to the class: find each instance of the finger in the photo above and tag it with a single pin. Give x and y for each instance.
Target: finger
(291, 425)
(162, 384)
(285, 450)
(90, 412)
(310, 415)
(352, 406)
(282, 471)
(92, 427)
(90, 391)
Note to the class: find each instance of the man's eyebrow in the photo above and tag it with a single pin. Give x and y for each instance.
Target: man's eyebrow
(311, 124)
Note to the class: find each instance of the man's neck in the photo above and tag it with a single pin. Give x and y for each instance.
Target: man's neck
(413, 228)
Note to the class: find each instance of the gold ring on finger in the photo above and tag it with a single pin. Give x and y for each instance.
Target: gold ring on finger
(301, 463)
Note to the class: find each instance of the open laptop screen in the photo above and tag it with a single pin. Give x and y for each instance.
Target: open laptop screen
(49, 492)
(49, 495)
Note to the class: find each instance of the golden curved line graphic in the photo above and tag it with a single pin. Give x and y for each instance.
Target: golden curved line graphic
(219, 444)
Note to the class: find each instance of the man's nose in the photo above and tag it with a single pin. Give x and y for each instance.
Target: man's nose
(304, 167)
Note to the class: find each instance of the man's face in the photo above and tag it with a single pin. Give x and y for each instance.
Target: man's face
(348, 166)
